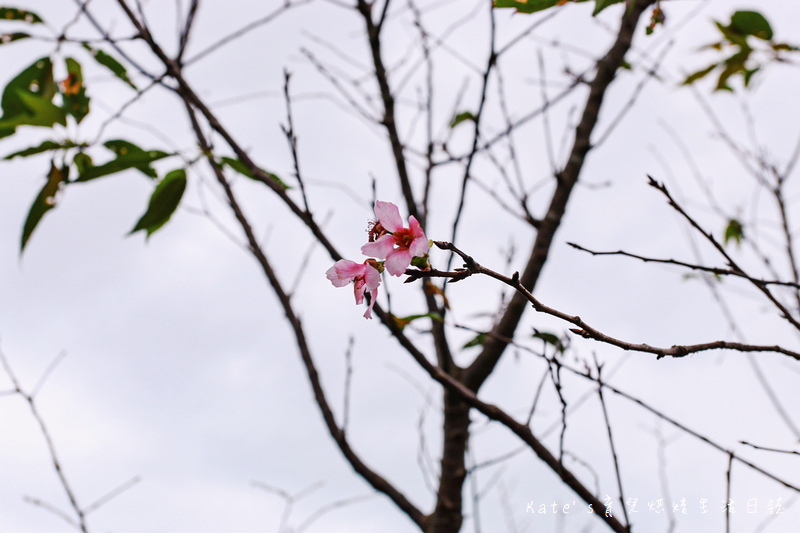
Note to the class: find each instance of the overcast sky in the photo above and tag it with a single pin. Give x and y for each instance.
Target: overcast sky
(179, 367)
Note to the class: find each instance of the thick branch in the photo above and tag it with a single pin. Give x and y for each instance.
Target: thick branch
(607, 68)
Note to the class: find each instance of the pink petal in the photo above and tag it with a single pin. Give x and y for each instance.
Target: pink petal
(373, 278)
(388, 215)
(358, 289)
(397, 262)
(373, 292)
(380, 248)
(419, 245)
(343, 272)
(368, 312)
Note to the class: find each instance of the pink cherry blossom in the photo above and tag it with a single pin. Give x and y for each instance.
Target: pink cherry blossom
(390, 240)
(364, 275)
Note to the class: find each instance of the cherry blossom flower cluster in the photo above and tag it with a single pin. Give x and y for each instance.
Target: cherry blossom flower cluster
(390, 242)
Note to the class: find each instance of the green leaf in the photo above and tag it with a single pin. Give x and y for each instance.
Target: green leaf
(600, 5)
(532, 6)
(733, 37)
(128, 156)
(163, 202)
(733, 65)
(11, 13)
(549, 338)
(784, 47)
(241, 168)
(734, 231)
(402, 322)
(41, 112)
(420, 262)
(76, 103)
(6, 38)
(748, 73)
(42, 204)
(462, 117)
(524, 6)
(82, 162)
(751, 23)
(691, 78)
(35, 80)
(110, 63)
(46, 146)
(478, 340)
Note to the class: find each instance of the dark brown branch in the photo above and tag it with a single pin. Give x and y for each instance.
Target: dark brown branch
(476, 132)
(583, 329)
(187, 29)
(495, 413)
(766, 449)
(389, 116)
(785, 313)
(484, 364)
(712, 270)
(186, 92)
(244, 30)
(338, 435)
(611, 441)
(79, 513)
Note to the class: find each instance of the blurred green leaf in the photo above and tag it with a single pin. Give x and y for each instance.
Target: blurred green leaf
(6, 38)
(36, 80)
(76, 103)
(525, 6)
(110, 63)
(691, 78)
(478, 340)
(163, 202)
(462, 117)
(600, 5)
(748, 73)
(786, 47)
(549, 338)
(44, 202)
(733, 37)
(12, 13)
(128, 156)
(82, 162)
(733, 65)
(41, 112)
(734, 231)
(532, 6)
(751, 23)
(402, 322)
(420, 262)
(242, 169)
(46, 146)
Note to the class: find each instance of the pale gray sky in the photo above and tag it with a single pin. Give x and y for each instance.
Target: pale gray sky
(179, 366)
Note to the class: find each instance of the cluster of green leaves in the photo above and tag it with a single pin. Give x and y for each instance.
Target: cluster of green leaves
(532, 6)
(736, 37)
(34, 98)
